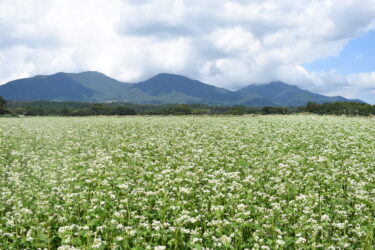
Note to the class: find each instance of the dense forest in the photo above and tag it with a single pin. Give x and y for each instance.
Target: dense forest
(48, 108)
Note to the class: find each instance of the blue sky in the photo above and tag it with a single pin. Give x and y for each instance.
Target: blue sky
(325, 46)
(357, 56)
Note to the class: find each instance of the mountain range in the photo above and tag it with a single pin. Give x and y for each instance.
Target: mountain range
(92, 86)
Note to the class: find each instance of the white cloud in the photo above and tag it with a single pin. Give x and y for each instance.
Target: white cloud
(230, 43)
(355, 86)
(367, 80)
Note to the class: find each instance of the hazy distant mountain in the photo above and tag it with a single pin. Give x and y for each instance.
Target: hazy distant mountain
(175, 88)
(107, 88)
(98, 81)
(53, 87)
(163, 88)
(282, 94)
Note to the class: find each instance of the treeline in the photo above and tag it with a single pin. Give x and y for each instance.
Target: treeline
(339, 108)
(3, 104)
(66, 110)
(48, 108)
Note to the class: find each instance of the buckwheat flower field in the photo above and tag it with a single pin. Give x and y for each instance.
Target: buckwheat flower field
(261, 182)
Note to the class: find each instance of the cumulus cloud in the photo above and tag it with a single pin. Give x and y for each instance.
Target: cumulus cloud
(229, 43)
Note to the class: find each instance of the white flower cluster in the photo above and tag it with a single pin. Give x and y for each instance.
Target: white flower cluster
(260, 182)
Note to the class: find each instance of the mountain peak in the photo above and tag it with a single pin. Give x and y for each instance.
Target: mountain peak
(168, 76)
(283, 94)
(58, 86)
(46, 76)
(283, 85)
(162, 88)
(90, 73)
(279, 83)
(165, 84)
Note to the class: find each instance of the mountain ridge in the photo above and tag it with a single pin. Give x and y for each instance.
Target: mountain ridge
(50, 87)
(93, 86)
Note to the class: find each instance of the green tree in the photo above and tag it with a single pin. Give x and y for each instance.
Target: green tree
(269, 110)
(119, 110)
(100, 109)
(3, 102)
(236, 110)
(312, 107)
(180, 109)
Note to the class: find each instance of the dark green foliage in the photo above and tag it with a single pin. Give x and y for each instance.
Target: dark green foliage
(4, 111)
(340, 108)
(120, 110)
(101, 109)
(2, 102)
(46, 108)
(177, 110)
(269, 110)
(237, 110)
(311, 107)
(41, 108)
(33, 111)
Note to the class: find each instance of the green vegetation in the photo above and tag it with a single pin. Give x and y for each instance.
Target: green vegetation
(48, 108)
(340, 108)
(3, 103)
(193, 182)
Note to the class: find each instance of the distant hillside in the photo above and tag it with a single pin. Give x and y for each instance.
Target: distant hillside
(282, 94)
(107, 88)
(98, 81)
(53, 87)
(163, 88)
(175, 89)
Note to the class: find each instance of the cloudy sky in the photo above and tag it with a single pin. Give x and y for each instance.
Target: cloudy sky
(327, 46)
